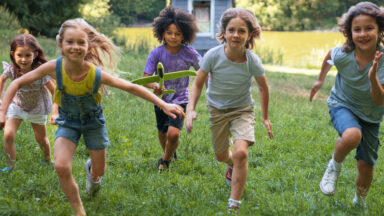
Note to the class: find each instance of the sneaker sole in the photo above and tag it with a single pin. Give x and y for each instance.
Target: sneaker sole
(326, 193)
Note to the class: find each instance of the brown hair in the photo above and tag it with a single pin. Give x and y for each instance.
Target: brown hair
(99, 44)
(249, 18)
(31, 42)
(362, 8)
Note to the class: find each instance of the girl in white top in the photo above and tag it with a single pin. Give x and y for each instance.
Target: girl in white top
(32, 102)
(230, 67)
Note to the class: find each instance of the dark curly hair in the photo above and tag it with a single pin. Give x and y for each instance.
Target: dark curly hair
(362, 8)
(249, 18)
(31, 42)
(181, 18)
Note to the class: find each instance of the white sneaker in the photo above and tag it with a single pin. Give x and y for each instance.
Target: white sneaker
(329, 180)
(359, 202)
(91, 186)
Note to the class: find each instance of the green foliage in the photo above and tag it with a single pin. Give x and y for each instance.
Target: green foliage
(97, 14)
(296, 15)
(44, 17)
(131, 11)
(9, 27)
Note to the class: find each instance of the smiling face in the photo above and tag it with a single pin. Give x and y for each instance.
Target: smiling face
(74, 45)
(236, 33)
(24, 57)
(364, 33)
(173, 37)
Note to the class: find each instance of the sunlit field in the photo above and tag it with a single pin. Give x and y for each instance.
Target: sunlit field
(291, 49)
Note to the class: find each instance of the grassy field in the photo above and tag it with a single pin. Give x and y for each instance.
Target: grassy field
(284, 173)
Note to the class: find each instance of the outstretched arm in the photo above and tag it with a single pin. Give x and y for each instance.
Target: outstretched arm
(377, 91)
(3, 81)
(170, 109)
(45, 69)
(325, 67)
(194, 97)
(264, 102)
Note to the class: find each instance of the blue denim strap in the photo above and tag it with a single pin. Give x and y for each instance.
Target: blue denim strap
(97, 81)
(59, 75)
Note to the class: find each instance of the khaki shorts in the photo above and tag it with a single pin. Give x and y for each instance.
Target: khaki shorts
(235, 122)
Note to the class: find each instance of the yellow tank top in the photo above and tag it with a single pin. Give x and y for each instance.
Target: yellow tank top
(83, 87)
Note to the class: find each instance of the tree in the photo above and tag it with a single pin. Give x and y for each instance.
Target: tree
(43, 17)
(132, 10)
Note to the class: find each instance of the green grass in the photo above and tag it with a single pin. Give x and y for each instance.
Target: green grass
(283, 179)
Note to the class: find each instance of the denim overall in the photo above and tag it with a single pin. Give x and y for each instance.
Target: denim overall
(81, 114)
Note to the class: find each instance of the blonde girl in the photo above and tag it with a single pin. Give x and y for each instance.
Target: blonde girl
(79, 74)
(32, 102)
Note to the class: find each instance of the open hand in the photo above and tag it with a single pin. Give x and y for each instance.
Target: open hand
(174, 110)
(268, 125)
(373, 70)
(315, 89)
(191, 116)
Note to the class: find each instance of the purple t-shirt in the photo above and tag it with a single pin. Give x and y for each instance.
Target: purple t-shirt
(183, 60)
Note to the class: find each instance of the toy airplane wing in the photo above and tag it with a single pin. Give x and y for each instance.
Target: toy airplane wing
(167, 76)
(147, 80)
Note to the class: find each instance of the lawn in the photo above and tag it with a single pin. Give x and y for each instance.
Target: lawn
(284, 173)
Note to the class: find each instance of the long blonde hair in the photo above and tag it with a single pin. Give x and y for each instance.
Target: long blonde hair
(101, 52)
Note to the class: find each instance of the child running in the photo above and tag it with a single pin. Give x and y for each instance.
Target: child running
(231, 67)
(32, 102)
(175, 28)
(78, 97)
(357, 98)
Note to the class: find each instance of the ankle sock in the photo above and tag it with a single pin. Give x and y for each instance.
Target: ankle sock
(232, 202)
(336, 164)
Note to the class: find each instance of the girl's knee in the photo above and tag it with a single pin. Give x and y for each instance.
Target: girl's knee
(173, 135)
(352, 136)
(240, 155)
(63, 170)
(9, 136)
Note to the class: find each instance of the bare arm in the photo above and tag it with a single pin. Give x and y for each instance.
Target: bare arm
(170, 109)
(194, 96)
(325, 67)
(50, 85)
(377, 90)
(44, 70)
(264, 102)
(3, 82)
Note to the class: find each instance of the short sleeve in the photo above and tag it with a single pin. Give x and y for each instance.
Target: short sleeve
(256, 67)
(197, 59)
(331, 61)
(7, 70)
(206, 61)
(152, 60)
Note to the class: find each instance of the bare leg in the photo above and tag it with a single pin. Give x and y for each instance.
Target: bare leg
(364, 178)
(64, 150)
(162, 139)
(10, 129)
(240, 170)
(41, 137)
(98, 164)
(349, 140)
(172, 142)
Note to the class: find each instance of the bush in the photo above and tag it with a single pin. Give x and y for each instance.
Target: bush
(9, 27)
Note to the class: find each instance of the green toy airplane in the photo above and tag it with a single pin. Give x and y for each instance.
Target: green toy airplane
(161, 76)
